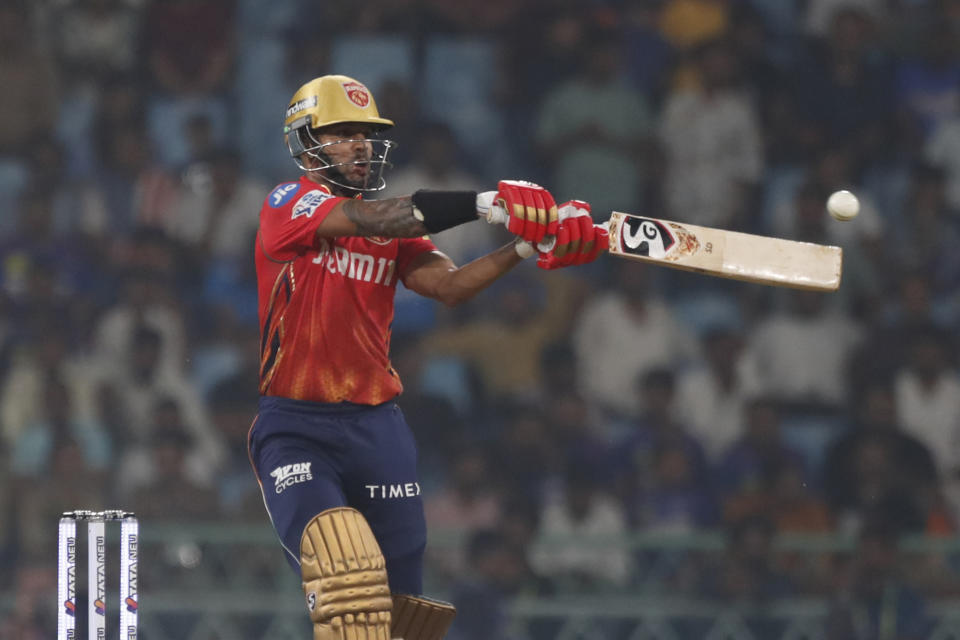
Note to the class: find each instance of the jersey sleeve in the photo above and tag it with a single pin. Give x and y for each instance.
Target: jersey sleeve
(289, 219)
(409, 249)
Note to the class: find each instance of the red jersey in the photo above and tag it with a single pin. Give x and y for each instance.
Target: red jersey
(326, 304)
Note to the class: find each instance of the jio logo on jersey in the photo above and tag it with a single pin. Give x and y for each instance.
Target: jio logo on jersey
(283, 194)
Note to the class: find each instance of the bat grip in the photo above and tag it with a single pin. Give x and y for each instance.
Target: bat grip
(495, 214)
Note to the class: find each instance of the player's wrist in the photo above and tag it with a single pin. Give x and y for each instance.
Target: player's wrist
(441, 210)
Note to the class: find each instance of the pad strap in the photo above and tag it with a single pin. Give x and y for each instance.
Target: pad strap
(441, 210)
(344, 577)
(421, 618)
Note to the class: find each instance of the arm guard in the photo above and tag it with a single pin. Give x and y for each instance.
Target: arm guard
(441, 210)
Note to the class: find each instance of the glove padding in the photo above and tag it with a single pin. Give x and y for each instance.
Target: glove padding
(531, 209)
(579, 241)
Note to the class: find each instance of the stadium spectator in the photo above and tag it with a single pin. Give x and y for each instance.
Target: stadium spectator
(579, 511)
(675, 500)
(189, 47)
(758, 455)
(648, 55)
(170, 494)
(495, 574)
(801, 353)
(528, 458)
(58, 420)
(927, 230)
(151, 395)
(926, 84)
(908, 307)
(655, 429)
(844, 93)
(216, 214)
(96, 39)
(32, 582)
(48, 266)
(876, 598)
(821, 14)
(942, 150)
(748, 571)
(628, 331)
(134, 190)
(855, 464)
(198, 61)
(438, 396)
(797, 506)
(524, 313)
(69, 481)
(710, 135)
(592, 130)
(558, 370)
(220, 350)
(29, 103)
(460, 16)
(711, 397)
(689, 23)
(230, 402)
(927, 391)
(144, 300)
(45, 365)
(464, 503)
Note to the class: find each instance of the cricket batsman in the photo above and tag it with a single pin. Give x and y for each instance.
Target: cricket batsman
(334, 457)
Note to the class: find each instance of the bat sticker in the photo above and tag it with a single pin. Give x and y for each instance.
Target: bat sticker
(646, 237)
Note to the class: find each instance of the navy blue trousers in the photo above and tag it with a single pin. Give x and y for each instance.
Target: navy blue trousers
(311, 457)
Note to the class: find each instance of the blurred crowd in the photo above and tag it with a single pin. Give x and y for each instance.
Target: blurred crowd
(138, 139)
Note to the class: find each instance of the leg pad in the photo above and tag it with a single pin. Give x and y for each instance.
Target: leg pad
(344, 578)
(421, 618)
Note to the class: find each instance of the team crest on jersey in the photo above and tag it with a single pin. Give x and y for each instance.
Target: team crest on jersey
(308, 203)
(283, 194)
(646, 237)
(357, 93)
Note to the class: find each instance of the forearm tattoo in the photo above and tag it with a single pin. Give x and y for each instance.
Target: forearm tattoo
(390, 218)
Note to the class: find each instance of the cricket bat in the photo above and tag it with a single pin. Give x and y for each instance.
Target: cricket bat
(726, 254)
(721, 253)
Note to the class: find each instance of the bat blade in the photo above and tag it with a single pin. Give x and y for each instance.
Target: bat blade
(726, 254)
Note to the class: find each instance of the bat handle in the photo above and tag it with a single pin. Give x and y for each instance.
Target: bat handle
(489, 210)
(495, 214)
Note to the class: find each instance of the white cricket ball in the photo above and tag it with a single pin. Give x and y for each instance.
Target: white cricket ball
(843, 205)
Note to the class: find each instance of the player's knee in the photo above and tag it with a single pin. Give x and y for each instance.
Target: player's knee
(420, 618)
(344, 577)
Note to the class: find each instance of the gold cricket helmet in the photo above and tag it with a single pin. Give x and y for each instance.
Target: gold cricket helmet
(329, 100)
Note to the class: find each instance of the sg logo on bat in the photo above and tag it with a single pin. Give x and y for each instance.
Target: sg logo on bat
(646, 237)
